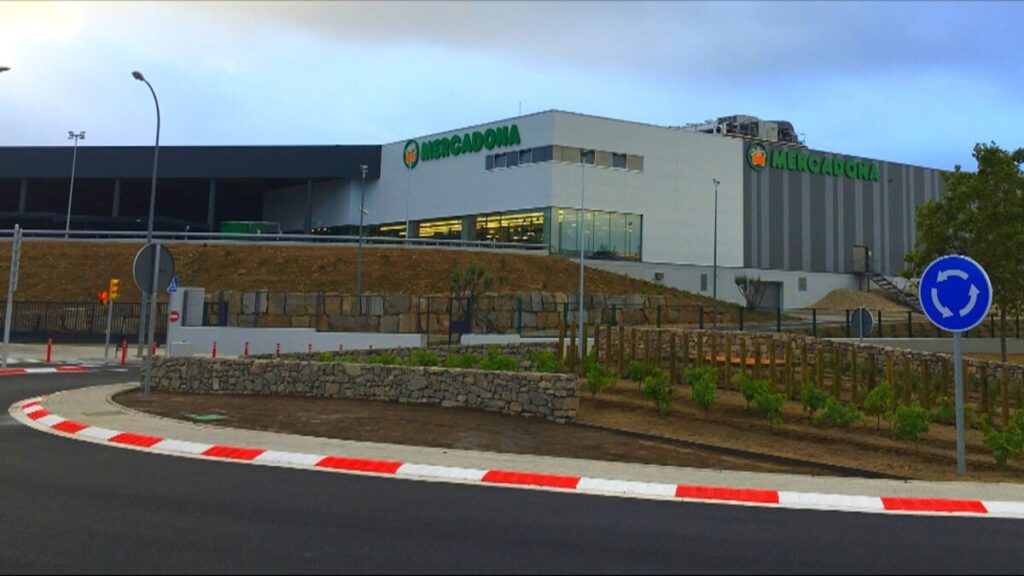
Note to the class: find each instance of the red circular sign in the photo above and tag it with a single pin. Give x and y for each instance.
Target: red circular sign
(174, 316)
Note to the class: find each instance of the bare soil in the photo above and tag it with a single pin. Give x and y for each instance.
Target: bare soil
(76, 271)
(844, 299)
(729, 436)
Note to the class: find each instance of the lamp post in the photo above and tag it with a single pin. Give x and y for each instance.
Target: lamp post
(359, 250)
(581, 219)
(629, 244)
(76, 136)
(714, 274)
(149, 233)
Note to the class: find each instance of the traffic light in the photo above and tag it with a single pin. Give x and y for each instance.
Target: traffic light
(115, 289)
(104, 298)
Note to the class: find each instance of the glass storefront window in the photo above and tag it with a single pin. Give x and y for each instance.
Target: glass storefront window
(524, 227)
(605, 234)
(441, 229)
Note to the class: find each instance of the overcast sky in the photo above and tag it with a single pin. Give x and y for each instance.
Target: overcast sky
(915, 82)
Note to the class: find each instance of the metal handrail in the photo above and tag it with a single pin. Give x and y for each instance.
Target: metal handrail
(271, 237)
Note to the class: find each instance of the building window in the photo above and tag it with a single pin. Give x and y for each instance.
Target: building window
(499, 160)
(542, 154)
(441, 229)
(523, 227)
(618, 160)
(490, 162)
(606, 235)
(511, 159)
(801, 284)
(526, 156)
(587, 156)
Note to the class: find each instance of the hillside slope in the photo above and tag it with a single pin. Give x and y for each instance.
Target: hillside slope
(76, 271)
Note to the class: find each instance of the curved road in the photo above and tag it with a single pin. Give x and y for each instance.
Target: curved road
(72, 507)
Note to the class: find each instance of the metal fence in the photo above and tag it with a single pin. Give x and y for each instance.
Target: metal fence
(433, 315)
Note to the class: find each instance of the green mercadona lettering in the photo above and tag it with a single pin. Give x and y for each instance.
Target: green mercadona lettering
(829, 165)
(490, 139)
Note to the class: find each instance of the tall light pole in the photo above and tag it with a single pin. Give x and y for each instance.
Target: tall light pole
(359, 250)
(149, 227)
(580, 236)
(714, 274)
(76, 136)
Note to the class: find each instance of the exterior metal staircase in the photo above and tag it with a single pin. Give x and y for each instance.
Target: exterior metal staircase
(905, 298)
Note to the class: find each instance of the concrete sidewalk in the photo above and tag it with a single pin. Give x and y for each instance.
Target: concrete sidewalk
(93, 406)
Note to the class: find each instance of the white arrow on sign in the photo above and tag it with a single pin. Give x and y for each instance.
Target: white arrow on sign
(946, 312)
(970, 304)
(952, 272)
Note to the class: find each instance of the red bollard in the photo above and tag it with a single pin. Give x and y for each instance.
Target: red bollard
(154, 346)
(245, 353)
(124, 351)
(371, 346)
(341, 347)
(214, 353)
(310, 348)
(278, 350)
(49, 349)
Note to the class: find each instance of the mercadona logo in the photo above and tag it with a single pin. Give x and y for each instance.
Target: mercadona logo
(757, 157)
(411, 154)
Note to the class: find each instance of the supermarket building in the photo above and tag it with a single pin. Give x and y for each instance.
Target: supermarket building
(786, 213)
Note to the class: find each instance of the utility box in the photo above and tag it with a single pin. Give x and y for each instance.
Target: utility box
(180, 349)
(192, 307)
(861, 259)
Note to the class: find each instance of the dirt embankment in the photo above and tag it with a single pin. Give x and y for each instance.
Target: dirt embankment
(76, 271)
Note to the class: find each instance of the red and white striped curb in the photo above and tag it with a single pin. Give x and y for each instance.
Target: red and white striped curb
(43, 419)
(48, 370)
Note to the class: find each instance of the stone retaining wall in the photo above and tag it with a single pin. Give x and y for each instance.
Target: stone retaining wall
(401, 313)
(551, 396)
(520, 351)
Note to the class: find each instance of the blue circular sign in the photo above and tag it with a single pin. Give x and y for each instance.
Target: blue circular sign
(955, 293)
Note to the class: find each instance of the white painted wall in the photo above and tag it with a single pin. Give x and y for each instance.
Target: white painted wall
(674, 193)
(687, 277)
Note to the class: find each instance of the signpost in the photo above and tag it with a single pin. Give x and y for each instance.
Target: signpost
(12, 285)
(154, 267)
(862, 322)
(956, 294)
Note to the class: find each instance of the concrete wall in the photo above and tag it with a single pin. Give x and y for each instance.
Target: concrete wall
(550, 396)
(688, 277)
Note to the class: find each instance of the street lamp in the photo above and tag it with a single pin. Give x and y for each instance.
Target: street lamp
(580, 237)
(629, 244)
(714, 275)
(76, 136)
(359, 251)
(149, 239)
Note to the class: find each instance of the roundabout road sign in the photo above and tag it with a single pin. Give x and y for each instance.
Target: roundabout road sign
(955, 293)
(862, 322)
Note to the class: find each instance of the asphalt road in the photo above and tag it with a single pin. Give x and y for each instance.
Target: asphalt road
(71, 507)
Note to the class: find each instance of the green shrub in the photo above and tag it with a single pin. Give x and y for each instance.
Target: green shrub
(1005, 443)
(599, 377)
(878, 403)
(835, 413)
(812, 398)
(638, 371)
(385, 359)
(495, 360)
(462, 361)
(660, 390)
(750, 388)
(912, 421)
(945, 412)
(545, 361)
(704, 383)
(325, 357)
(769, 404)
(421, 357)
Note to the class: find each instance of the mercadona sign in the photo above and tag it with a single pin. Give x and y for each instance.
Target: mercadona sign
(759, 157)
(491, 138)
